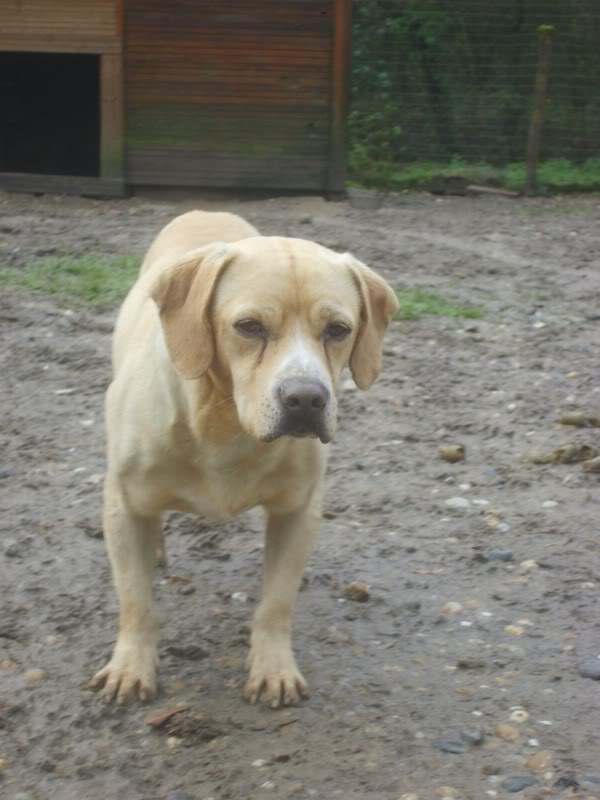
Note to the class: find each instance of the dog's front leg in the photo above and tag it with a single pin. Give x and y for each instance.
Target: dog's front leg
(274, 676)
(132, 543)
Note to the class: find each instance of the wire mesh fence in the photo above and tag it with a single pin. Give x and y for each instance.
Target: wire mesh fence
(441, 80)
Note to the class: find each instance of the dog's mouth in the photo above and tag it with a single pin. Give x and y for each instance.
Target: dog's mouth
(325, 439)
(298, 433)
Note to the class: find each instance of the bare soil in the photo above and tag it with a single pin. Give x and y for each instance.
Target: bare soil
(448, 644)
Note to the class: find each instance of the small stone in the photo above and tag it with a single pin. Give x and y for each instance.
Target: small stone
(452, 453)
(514, 630)
(260, 762)
(189, 651)
(307, 220)
(593, 465)
(179, 794)
(519, 715)
(33, 677)
(540, 760)
(533, 742)
(239, 597)
(6, 472)
(295, 788)
(499, 554)
(590, 781)
(349, 385)
(451, 607)
(580, 420)
(528, 565)
(590, 668)
(93, 532)
(458, 502)
(568, 781)
(357, 591)
(173, 742)
(12, 549)
(3, 764)
(507, 732)
(447, 791)
(474, 736)
(517, 783)
(470, 662)
(409, 796)
(490, 769)
(449, 746)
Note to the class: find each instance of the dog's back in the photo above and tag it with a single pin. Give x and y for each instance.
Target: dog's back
(190, 231)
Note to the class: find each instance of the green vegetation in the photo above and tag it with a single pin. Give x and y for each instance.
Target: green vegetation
(416, 303)
(101, 281)
(435, 80)
(557, 175)
(98, 280)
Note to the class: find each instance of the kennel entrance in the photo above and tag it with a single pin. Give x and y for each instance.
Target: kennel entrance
(61, 95)
(51, 110)
(62, 122)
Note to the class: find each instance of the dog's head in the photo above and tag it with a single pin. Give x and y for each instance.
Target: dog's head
(274, 321)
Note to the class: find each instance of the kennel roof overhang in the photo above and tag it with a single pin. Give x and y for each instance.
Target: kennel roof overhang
(248, 93)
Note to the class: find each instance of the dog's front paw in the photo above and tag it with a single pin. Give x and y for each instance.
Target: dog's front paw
(274, 677)
(130, 674)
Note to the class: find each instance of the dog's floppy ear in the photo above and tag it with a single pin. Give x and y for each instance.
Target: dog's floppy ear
(183, 293)
(378, 304)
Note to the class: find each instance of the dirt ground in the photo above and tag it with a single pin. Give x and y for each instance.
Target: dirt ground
(409, 687)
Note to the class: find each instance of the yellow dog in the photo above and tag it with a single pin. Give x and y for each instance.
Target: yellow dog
(226, 355)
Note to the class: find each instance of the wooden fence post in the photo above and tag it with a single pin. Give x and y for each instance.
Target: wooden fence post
(545, 33)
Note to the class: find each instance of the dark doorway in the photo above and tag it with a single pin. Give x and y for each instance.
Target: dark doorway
(50, 108)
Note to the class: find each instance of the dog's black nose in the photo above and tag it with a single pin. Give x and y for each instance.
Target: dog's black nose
(302, 395)
(303, 401)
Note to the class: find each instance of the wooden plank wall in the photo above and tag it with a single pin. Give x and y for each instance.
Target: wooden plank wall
(60, 26)
(228, 94)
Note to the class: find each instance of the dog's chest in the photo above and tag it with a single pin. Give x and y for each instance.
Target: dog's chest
(212, 494)
(217, 485)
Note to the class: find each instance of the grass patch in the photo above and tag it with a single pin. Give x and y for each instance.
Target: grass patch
(96, 280)
(103, 281)
(416, 303)
(556, 175)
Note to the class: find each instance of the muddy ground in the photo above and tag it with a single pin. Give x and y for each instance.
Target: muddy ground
(449, 645)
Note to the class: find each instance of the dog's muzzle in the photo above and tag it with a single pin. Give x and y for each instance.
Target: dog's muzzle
(303, 404)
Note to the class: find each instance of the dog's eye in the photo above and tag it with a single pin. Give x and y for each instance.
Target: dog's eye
(337, 330)
(250, 327)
